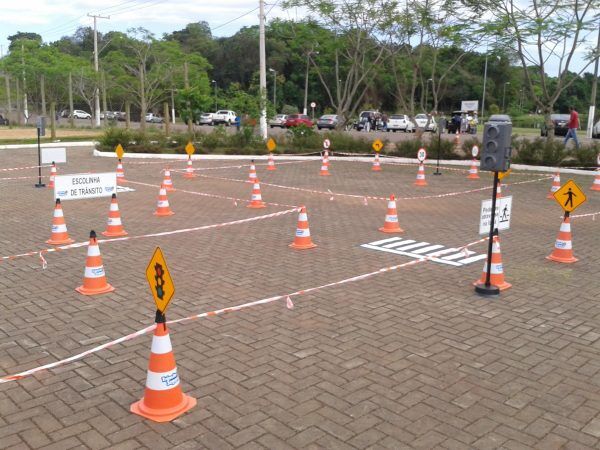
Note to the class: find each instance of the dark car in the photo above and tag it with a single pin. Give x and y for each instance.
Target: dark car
(561, 125)
(3, 121)
(329, 121)
(502, 118)
(294, 120)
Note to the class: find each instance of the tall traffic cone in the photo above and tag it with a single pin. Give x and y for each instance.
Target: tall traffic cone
(162, 207)
(163, 399)
(596, 184)
(302, 240)
(252, 173)
(473, 175)
(421, 176)
(391, 218)
(376, 165)
(52, 175)
(555, 185)
(189, 170)
(271, 162)
(114, 226)
(59, 234)
(497, 271)
(120, 172)
(256, 199)
(563, 247)
(167, 181)
(94, 278)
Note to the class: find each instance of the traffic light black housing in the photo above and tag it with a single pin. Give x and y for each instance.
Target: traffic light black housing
(496, 152)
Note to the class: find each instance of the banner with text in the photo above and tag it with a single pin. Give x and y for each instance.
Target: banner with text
(85, 185)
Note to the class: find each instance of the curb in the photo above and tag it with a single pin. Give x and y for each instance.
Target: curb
(50, 144)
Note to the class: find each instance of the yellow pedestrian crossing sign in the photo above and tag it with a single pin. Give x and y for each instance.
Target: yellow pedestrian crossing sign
(160, 281)
(119, 151)
(569, 196)
(377, 145)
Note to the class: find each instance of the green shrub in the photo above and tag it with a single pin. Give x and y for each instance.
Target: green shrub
(409, 149)
(538, 151)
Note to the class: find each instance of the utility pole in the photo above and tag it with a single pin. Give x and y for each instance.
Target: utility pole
(8, 99)
(590, 124)
(25, 109)
(263, 70)
(96, 90)
(43, 94)
(71, 118)
(104, 105)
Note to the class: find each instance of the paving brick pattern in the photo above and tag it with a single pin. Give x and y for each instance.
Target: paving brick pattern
(405, 359)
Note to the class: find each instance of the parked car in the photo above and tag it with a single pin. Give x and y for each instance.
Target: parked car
(503, 118)
(596, 130)
(278, 121)
(152, 118)
(3, 120)
(329, 121)
(294, 120)
(561, 125)
(426, 122)
(121, 116)
(205, 119)
(400, 122)
(79, 114)
(224, 116)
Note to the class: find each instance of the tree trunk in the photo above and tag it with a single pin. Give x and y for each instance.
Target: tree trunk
(19, 118)
(127, 115)
(71, 118)
(166, 119)
(52, 120)
(143, 105)
(43, 94)
(8, 100)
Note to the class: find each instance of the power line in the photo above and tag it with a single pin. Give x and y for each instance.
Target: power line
(233, 20)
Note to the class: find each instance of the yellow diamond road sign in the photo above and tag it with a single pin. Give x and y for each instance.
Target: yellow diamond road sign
(271, 145)
(160, 281)
(501, 175)
(569, 196)
(119, 151)
(190, 149)
(377, 145)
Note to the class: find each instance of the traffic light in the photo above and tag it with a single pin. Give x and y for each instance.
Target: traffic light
(495, 155)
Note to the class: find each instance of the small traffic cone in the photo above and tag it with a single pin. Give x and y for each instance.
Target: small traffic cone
(162, 207)
(52, 175)
(473, 175)
(421, 176)
(376, 165)
(302, 240)
(457, 140)
(555, 185)
(563, 247)
(120, 172)
(499, 190)
(114, 227)
(256, 199)
(189, 170)
(59, 234)
(271, 162)
(497, 272)
(252, 174)
(325, 164)
(167, 182)
(94, 278)
(596, 184)
(391, 218)
(163, 399)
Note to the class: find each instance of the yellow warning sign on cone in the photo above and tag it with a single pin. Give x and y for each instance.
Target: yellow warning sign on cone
(190, 149)
(569, 196)
(377, 145)
(271, 145)
(119, 151)
(160, 281)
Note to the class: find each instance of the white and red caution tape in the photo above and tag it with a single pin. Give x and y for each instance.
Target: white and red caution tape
(18, 178)
(578, 216)
(10, 169)
(287, 297)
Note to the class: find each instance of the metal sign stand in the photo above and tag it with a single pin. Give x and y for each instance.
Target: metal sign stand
(487, 289)
(39, 133)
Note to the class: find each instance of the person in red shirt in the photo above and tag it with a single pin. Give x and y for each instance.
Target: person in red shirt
(573, 126)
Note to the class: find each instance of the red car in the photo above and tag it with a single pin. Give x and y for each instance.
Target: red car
(294, 120)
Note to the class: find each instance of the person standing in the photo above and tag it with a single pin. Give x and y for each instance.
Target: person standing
(573, 126)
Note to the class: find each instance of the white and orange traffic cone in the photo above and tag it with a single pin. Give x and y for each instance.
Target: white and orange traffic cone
(120, 172)
(163, 398)
(563, 247)
(376, 165)
(421, 176)
(555, 185)
(94, 277)
(162, 207)
(457, 140)
(271, 162)
(325, 164)
(391, 224)
(497, 270)
(596, 184)
(252, 173)
(302, 240)
(114, 226)
(256, 199)
(167, 181)
(59, 234)
(52, 175)
(189, 170)
(473, 175)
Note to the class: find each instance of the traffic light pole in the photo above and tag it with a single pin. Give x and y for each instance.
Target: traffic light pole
(487, 289)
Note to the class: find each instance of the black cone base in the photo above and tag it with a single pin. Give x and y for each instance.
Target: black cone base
(487, 291)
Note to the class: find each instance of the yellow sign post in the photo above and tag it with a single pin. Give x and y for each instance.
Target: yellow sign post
(190, 149)
(119, 151)
(160, 281)
(271, 145)
(377, 145)
(501, 175)
(569, 196)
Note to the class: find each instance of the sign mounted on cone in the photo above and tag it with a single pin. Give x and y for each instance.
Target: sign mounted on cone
(119, 151)
(421, 155)
(503, 212)
(569, 196)
(475, 151)
(160, 281)
(190, 149)
(377, 145)
(501, 175)
(271, 145)
(326, 143)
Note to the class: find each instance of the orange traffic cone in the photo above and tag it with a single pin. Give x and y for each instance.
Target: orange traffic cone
(563, 247)
(457, 140)
(94, 278)
(555, 185)
(376, 165)
(52, 175)
(189, 170)
(252, 174)
(271, 162)
(114, 227)
(497, 272)
(325, 164)
(163, 399)
(302, 240)
(162, 207)
(473, 175)
(167, 182)
(596, 184)
(256, 199)
(59, 234)
(391, 218)
(421, 176)
(120, 172)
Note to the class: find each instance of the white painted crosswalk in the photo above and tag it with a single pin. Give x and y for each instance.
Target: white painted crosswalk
(435, 252)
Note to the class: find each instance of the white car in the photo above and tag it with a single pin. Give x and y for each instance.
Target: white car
(400, 122)
(79, 114)
(426, 122)
(152, 118)
(205, 119)
(278, 121)
(224, 116)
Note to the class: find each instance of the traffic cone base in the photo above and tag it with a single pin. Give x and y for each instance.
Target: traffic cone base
(570, 260)
(302, 240)
(392, 230)
(59, 241)
(563, 246)
(85, 291)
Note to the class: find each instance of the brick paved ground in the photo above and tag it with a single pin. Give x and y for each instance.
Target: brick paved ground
(405, 359)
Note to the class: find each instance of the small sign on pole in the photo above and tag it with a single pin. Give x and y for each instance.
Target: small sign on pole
(119, 151)
(377, 145)
(160, 281)
(421, 154)
(85, 185)
(502, 217)
(326, 143)
(271, 145)
(54, 155)
(475, 151)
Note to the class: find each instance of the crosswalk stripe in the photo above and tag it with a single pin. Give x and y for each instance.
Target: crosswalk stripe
(429, 249)
(473, 259)
(460, 254)
(410, 247)
(399, 244)
(384, 241)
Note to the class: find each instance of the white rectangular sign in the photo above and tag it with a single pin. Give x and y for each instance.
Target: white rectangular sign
(503, 211)
(54, 154)
(85, 185)
(469, 105)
